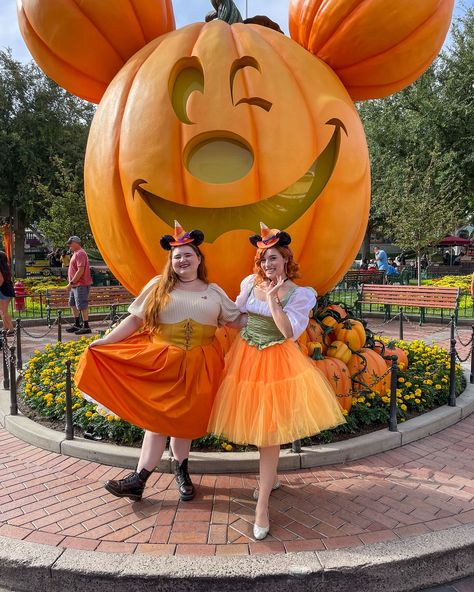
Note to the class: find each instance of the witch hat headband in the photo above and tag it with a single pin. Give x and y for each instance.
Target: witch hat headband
(269, 237)
(181, 237)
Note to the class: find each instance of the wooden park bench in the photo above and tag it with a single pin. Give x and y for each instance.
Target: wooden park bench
(421, 297)
(355, 277)
(99, 296)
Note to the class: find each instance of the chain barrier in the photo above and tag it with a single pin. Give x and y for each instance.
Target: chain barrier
(42, 336)
(459, 337)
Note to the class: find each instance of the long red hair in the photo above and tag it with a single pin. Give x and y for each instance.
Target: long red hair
(160, 294)
(291, 267)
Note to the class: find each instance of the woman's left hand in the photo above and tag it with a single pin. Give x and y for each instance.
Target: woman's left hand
(272, 290)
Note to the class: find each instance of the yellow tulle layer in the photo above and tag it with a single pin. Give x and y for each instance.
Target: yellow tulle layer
(272, 396)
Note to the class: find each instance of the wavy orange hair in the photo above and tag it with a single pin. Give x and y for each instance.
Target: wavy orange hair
(160, 294)
(291, 267)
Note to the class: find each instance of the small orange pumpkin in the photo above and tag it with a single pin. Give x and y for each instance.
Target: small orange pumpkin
(352, 333)
(339, 350)
(82, 45)
(391, 349)
(314, 331)
(376, 47)
(337, 372)
(373, 368)
(314, 346)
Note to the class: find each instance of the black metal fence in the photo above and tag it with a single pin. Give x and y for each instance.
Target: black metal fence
(12, 362)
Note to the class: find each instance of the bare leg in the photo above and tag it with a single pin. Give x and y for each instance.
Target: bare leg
(180, 448)
(85, 314)
(268, 472)
(75, 312)
(152, 450)
(7, 322)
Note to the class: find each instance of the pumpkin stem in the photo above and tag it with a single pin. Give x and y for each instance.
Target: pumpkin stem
(225, 10)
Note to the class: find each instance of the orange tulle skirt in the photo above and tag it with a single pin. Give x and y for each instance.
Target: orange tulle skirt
(154, 385)
(272, 396)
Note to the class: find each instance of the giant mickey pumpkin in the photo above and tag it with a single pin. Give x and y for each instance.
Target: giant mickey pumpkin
(224, 125)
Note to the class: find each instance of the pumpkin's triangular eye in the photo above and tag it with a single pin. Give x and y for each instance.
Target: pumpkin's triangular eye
(376, 47)
(187, 77)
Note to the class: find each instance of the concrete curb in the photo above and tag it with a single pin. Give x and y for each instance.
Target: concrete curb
(243, 462)
(395, 566)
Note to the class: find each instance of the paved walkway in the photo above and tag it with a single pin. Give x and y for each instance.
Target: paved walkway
(464, 585)
(422, 487)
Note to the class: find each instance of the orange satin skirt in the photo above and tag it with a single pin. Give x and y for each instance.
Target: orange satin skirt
(154, 385)
(272, 396)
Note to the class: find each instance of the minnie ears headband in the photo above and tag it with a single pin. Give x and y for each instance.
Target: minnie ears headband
(181, 237)
(269, 237)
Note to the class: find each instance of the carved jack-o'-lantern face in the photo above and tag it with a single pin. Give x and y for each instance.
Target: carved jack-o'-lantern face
(220, 127)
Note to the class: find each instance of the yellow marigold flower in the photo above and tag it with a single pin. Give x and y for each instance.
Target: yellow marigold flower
(88, 413)
(408, 384)
(110, 418)
(229, 448)
(401, 379)
(418, 392)
(345, 412)
(438, 387)
(403, 407)
(417, 401)
(406, 397)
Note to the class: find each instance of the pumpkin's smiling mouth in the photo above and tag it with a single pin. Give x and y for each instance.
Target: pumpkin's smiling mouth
(278, 211)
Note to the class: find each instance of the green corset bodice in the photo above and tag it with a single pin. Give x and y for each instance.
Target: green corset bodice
(261, 331)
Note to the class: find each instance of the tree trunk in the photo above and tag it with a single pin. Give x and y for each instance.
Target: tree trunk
(418, 266)
(20, 223)
(366, 244)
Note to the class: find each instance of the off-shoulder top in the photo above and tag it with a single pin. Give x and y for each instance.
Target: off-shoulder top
(261, 330)
(211, 306)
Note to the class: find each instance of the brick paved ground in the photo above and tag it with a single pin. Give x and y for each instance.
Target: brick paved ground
(425, 486)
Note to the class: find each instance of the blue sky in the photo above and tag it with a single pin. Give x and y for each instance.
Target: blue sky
(186, 11)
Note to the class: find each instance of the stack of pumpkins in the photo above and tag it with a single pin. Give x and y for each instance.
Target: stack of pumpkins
(339, 347)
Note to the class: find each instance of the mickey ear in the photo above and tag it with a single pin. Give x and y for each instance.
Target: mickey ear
(198, 237)
(376, 47)
(165, 242)
(82, 45)
(284, 239)
(255, 239)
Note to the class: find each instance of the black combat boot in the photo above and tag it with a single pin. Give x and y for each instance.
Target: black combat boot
(132, 486)
(183, 481)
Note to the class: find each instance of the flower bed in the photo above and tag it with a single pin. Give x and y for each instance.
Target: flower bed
(424, 385)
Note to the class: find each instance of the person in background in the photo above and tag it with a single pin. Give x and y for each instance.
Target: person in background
(472, 286)
(364, 266)
(6, 292)
(80, 281)
(381, 259)
(65, 259)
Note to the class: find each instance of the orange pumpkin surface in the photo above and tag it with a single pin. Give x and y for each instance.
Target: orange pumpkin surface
(393, 350)
(339, 377)
(82, 45)
(220, 127)
(314, 331)
(339, 350)
(352, 333)
(376, 47)
(375, 369)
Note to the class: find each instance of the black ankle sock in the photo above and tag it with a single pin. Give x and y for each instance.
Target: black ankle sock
(86, 324)
(77, 321)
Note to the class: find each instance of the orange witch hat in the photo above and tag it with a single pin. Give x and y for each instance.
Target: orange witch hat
(269, 237)
(181, 237)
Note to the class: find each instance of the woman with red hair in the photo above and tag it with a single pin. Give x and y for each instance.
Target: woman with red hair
(271, 393)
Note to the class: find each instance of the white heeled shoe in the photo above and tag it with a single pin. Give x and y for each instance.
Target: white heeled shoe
(276, 486)
(259, 532)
